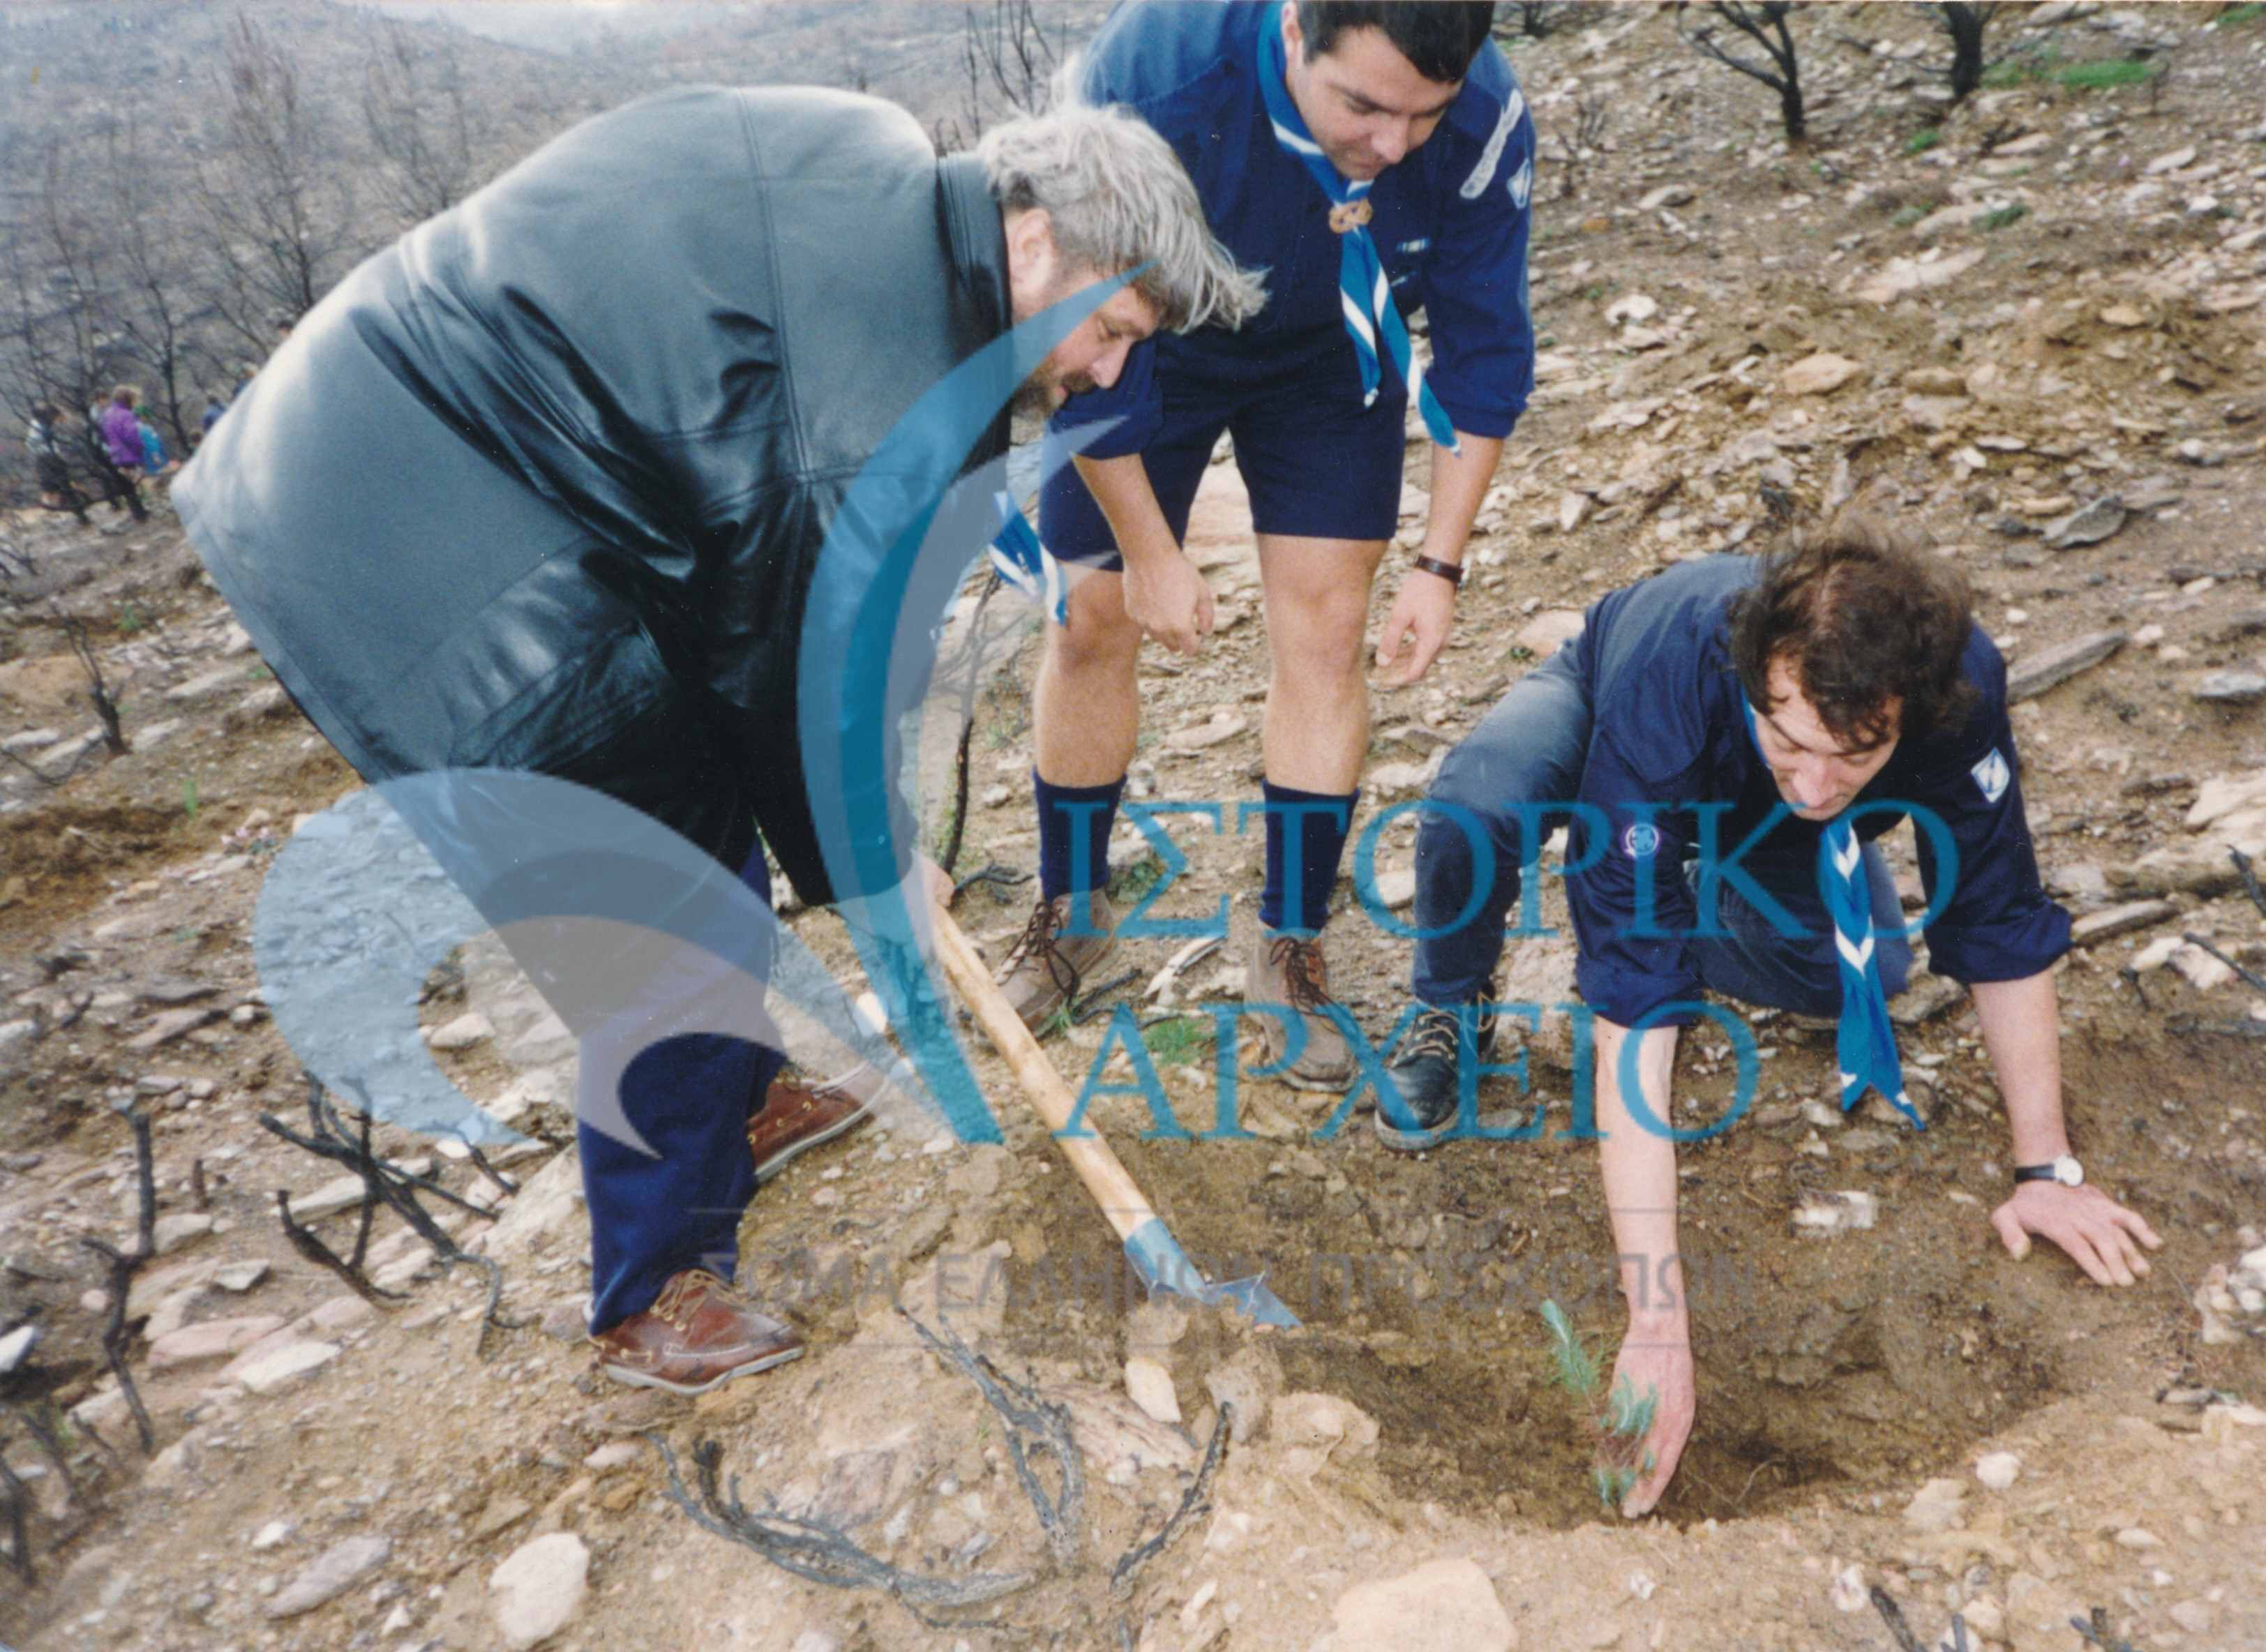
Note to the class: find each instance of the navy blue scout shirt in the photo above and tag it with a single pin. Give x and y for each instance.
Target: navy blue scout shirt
(1669, 728)
(1450, 219)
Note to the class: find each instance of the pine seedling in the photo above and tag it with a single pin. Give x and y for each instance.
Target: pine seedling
(1577, 1367)
(1620, 1420)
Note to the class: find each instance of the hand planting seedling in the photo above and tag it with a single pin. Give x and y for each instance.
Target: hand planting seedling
(1621, 1420)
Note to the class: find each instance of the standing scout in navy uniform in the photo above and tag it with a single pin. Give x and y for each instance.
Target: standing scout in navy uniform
(1371, 158)
(1771, 719)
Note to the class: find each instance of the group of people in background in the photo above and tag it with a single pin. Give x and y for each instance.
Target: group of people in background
(117, 450)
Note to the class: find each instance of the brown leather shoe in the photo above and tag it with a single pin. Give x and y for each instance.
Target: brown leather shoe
(798, 1115)
(1289, 970)
(1045, 969)
(699, 1332)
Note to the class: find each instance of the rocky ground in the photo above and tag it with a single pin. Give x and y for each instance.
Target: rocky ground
(2030, 330)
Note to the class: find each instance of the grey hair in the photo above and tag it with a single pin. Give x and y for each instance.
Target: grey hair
(1117, 197)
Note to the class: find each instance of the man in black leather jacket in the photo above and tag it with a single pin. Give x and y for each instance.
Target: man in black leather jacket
(542, 487)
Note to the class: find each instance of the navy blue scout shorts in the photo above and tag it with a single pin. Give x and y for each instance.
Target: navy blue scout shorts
(1318, 464)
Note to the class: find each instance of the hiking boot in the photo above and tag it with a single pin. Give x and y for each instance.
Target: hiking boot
(798, 1115)
(1290, 971)
(700, 1332)
(1046, 969)
(1426, 1070)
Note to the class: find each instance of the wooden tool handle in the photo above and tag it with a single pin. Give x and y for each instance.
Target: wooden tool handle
(1097, 1166)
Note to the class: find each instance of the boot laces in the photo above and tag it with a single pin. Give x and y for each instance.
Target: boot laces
(1038, 939)
(684, 1293)
(1434, 1033)
(1304, 972)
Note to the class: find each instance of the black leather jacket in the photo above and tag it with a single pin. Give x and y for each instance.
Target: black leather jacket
(575, 444)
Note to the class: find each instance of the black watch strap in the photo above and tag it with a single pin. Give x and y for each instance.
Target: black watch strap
(1447, 571)
(2034, 1172)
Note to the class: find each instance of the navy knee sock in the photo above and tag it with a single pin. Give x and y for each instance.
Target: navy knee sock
(1074, 825)
(1321, 821)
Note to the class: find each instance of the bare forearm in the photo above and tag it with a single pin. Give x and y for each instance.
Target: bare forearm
(2021, 1032)
(1460, 484)
(1121, 487)
(1638, 1164)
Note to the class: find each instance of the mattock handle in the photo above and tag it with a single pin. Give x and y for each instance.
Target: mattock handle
(1106, 1179)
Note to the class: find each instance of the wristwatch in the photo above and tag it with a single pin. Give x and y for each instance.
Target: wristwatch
(1447, 571)
(2065, 1170)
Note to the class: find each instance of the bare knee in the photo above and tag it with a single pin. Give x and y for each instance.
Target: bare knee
(1099, 638)
(1318, 639)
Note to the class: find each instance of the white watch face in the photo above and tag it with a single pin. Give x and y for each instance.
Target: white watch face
(2068, 1171)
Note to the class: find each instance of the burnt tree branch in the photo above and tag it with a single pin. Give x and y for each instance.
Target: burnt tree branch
(1194, 1504)
(1764, 23)
(1032, 1423)
(818, 1553)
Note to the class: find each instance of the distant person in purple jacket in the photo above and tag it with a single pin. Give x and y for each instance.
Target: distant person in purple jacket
(121, 446)
(121, 429)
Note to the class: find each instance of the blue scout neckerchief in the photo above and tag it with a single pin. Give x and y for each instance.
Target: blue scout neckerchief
(1866, 1045)
(1364, 292)
(1019, 558)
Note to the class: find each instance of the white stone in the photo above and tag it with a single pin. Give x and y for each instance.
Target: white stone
(1396, 887)
(1320, 1421)
(1985, 1619)
(2204, 973)
(341, 1313)
(463, 1032)
(176, 1229)
(1936, 1506)
(1225, 723)
(264, 1373)
(1905, 275)
(339, 1194)
(1848, 1592)
(1818, 375)
(548, 1210)
(1998, 1470)
(1391, 779)
(240, 1276)
(1445, 1606)
(329, 1575)
(2194, 1616)
(2225, 794)
(612, 1455)
(210, 682)
(274, 1534)
(1151, 1387)
(540, 1588)
(214, 1339)
(1842, 1212)
(1550, 630)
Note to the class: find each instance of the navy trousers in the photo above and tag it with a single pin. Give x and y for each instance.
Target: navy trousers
(1531, 750)
(689, 1096)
